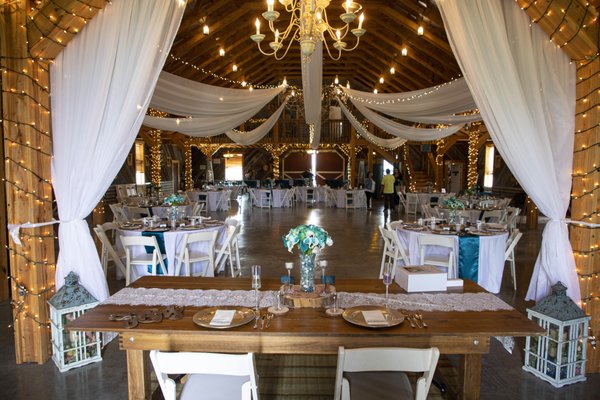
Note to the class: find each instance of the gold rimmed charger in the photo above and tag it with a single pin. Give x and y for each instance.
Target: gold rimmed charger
(355, 316)
(242, 316)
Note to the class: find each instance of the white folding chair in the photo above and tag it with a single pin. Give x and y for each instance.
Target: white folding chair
(412, 204)
(137, 212)
(512, 217)
(287, 198)
(388, 365)
(402, 200)
(426, 210)
(310, 195)
(108, 252)
(210, 375)
(509, 254)
(440, 260)
(393, 225)
(188, 255)
(119, 215)
(350, 200)
(496, 216)
(229, 251)
(264, 198)
(197, 209)
(136, 252)
(393, 251)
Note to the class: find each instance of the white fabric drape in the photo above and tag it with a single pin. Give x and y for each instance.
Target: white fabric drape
(181, 96)
(525, 89)
(101, 87)
(384, 143)
(253, 136)
(405, 131)
(312, 80)
(434, 105)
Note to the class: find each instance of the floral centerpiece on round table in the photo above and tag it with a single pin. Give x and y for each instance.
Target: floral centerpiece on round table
(310, 239)
(452, 204)
(174, 200)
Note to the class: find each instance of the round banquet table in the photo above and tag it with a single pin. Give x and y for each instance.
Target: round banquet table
(490, 257)
(358, 195)
(163, 211)
(170, 242)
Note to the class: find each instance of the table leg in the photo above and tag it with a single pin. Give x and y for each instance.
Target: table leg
(470, 376)
(138, 374)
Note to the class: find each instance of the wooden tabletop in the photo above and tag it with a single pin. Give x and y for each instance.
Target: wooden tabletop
(319, 333)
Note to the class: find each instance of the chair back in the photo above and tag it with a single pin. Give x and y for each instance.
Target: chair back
(498, 216)
(393, 225)
(137, 212)
(198, 209)
(233, 365)
(440, 241)
(148, 243)
(119, 215)
(426, 210)
(398, 247)
(412, 203)
(512, 242)
(386, 359)
(108, 251)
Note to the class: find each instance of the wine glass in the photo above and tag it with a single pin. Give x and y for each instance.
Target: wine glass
(289, 266)
(387, 279)
(256, 283)
(323, 265)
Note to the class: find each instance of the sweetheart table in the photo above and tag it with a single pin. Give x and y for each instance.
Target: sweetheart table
(304, 330)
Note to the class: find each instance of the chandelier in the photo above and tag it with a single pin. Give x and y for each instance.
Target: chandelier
(308, 24)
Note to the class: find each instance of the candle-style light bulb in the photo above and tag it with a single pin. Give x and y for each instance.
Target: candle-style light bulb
(392, 70)
(347, 84)
(348, 5)
(277, 36)
(205, 30)
(381, 80)
(338, 34)
(360, 20)
(336, 81)
(270, 4)
(257, 23)
(420, 31)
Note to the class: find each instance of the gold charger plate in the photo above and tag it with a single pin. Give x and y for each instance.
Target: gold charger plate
(242, 316)
(354, 316)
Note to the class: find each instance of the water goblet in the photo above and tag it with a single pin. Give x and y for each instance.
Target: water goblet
(387, 279)
(289, 266)
(256, 284)
(323, 265)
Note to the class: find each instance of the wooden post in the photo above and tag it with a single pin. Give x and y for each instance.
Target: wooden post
(472, 157)
(352, 159)
(155, 156)
(4, 293)
(370, 158)
(585, 206)
(187, 151)
(439, 164)
(27, 151)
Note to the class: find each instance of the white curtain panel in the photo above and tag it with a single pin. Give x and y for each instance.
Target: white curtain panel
(253, 136)
(101, 87)
(181, 96)
(524, 87)
(404, 131)
(384, 143)
(434, 105)
(312, 80)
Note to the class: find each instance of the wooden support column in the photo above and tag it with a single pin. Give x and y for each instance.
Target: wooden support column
(27, 151)
(187, 151)
(276, 151)
(439, 164)
(585, 206)
(352, 159)
(155, 156)
(370, 158)
(472, 156)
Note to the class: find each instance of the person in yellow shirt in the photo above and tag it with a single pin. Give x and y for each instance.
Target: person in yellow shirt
(388, 190)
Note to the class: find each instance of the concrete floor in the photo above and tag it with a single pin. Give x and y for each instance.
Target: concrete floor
(355, 254)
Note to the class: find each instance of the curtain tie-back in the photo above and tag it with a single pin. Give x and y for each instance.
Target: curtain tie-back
(572, 222)
(14, 229)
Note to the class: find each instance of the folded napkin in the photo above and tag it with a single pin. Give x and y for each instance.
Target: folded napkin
(374, 317)
(222, 318)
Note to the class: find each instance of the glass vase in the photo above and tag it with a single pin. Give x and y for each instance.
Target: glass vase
(173, 217)
(452, 217)
(307, 272)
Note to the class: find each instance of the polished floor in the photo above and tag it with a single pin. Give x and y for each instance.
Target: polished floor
(354, 254)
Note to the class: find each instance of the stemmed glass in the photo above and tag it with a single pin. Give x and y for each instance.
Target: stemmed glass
(289, 266)
(256, 284)
(387, 279)
(323, 265)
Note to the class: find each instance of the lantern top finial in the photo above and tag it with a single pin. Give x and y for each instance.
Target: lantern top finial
(558, 305)
(72, 294)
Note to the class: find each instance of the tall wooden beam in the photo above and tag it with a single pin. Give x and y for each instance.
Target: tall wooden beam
(27, 149)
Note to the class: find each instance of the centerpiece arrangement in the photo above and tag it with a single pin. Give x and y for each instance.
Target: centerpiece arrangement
(310, 239)
(452, 204)
(174, 200)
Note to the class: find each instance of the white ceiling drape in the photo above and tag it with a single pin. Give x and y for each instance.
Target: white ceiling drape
(362, 131)
(405, 131)
(434, 105)
(253, 136)
(312, 81)
(524, 87)
(101, 87)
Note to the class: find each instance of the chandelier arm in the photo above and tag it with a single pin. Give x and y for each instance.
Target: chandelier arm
(265, 53)
(329, 52)
(355, 46)
(332, 30)
(286, 50)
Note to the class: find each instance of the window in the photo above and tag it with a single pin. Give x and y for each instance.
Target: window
(233, 167)
(140, 170)
(387, 165)
(488, 177)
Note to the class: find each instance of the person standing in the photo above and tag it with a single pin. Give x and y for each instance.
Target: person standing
(369, 189)
(388, 190)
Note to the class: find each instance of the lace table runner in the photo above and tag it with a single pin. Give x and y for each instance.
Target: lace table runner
(246, 298)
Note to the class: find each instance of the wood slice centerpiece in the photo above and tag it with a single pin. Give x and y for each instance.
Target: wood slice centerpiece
(316, 299)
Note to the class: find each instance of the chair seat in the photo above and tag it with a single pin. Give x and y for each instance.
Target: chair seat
(196, 256)
(380, 385)
(436, 259)
(144, 258)
(213, 387)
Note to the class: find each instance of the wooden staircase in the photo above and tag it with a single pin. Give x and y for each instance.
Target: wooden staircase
(420, 179)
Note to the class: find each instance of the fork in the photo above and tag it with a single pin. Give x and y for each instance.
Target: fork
(256, 322)
(415, 318)
(269, 318)
(420, 318)
(409, 318)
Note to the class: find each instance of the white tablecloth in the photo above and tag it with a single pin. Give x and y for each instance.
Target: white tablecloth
(163, 211)
(491, 256)
(212, 200)
(358, 196)
(173, 241)
(277, 196)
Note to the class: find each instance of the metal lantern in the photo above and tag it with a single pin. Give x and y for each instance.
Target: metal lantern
(72, 349)
(559, 356)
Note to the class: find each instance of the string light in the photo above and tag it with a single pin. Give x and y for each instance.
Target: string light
(406, 159)
(473, 154)
(155, 156)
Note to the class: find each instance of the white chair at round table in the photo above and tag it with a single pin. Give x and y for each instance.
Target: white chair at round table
(393, 251)
(446, 261)
(509, 254)
(108, 252)
(188, 255)
(136, 252)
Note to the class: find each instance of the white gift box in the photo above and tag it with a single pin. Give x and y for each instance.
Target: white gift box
(421, 278)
